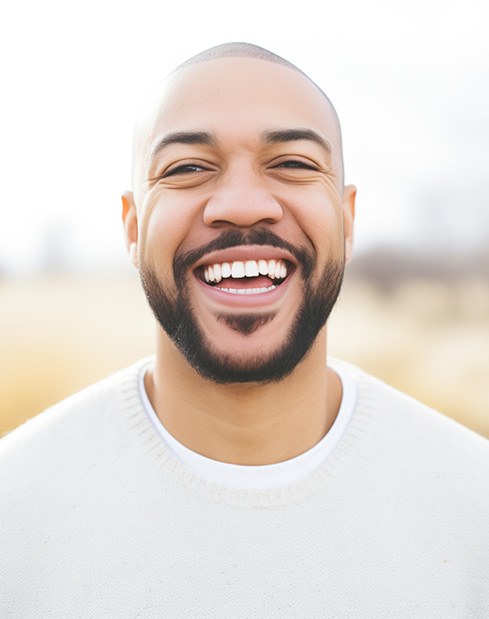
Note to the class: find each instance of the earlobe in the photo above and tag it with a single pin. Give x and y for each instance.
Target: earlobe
(348, 202)
(133, 254)
(130, 222)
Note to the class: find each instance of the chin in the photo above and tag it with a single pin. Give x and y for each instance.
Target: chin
(178, 320)
(222, 368)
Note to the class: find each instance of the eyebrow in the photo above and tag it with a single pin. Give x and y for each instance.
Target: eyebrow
(183, 137)
(292, 135)
(272, 137)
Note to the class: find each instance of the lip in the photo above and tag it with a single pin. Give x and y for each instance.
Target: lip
(265, 300)
(245, 252)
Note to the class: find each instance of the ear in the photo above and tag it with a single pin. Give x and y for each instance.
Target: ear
(348, 203)
(130, 222)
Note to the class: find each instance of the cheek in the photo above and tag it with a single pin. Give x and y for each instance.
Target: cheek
(164, 226)
(320, 218)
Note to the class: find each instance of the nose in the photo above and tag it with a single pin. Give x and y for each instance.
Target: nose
(242, 199)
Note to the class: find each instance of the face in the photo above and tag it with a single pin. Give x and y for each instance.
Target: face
(241, 216)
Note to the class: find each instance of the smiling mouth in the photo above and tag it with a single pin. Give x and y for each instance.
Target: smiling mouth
(248, 277)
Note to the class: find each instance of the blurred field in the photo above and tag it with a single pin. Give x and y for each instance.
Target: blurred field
(427, 337)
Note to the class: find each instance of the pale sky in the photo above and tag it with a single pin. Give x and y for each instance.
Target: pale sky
(410, 81)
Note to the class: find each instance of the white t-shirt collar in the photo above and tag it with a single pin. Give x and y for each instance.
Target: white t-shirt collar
(265, 476)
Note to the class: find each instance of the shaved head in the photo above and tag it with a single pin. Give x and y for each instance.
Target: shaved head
(237, 50)
(248, 50)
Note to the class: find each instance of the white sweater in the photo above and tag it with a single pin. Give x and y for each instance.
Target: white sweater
(98, 519)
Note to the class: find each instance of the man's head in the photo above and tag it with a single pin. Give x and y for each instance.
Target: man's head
(239, 213)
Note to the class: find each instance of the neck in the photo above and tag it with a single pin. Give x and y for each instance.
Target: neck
(249, 424)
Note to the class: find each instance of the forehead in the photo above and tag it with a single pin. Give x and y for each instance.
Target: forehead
(239, 97)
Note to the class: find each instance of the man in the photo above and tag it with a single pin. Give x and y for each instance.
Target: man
(235, 475)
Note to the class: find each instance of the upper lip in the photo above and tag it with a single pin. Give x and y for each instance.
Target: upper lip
(245, 252)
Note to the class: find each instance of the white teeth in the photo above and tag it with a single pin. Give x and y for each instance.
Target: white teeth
(271, 268)
(247, 290)
(251, 269)
(262, 267)
(274, 269)
(225, 269)
(238, 270)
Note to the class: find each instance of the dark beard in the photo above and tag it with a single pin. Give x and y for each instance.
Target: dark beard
(176, 316)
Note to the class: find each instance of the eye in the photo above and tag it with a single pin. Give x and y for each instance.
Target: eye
(187, 168)
(296, 164)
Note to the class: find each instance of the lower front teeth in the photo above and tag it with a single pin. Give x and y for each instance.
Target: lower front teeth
(247, 290)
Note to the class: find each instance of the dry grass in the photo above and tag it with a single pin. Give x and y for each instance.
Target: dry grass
(426, 338)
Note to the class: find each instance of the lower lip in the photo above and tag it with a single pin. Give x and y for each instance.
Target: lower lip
(231, 299)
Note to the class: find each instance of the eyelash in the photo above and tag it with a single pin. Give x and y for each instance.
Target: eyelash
(189, 168)
(294, 163)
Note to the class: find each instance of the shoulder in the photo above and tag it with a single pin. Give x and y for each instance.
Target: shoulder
(410, 441)
(406, 416)
(418, 463)
(77, 420)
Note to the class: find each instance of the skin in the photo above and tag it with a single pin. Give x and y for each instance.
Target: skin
(240, 181)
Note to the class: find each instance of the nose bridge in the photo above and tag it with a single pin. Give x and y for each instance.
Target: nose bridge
(241, 197)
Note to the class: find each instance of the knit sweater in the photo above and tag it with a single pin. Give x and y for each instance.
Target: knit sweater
(99, 519)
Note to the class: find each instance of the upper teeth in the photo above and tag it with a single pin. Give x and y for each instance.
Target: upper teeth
(275, 269)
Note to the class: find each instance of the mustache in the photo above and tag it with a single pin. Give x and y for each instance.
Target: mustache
(236, 238)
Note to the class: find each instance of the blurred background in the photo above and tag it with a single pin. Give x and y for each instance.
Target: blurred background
(410, 81)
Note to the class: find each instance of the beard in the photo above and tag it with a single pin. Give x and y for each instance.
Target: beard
(176, 315)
